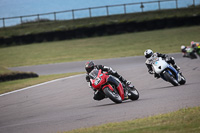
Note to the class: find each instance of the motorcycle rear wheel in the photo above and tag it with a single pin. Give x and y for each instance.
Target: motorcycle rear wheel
(114, 96)
(193, 55)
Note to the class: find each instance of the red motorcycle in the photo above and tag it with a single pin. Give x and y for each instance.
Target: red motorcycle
(112, 87)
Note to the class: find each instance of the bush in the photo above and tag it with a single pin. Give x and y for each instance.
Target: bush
(17, 75)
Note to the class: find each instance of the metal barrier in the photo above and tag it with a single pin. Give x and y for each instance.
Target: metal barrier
(88, 12)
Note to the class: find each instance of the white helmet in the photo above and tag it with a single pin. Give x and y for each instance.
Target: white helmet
(183, 47)
(148, 53)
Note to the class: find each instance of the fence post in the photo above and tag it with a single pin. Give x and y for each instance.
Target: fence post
(54, 16)
(194, 2)
(21, 19)
(158, 5)
(124, 8)
(3, 22)
(38, 17)
(90, 13)
(73, 14)
(176, 4)
(142, 6)
(107, 10)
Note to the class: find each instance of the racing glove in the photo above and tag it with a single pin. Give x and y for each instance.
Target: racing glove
(87, 78)
(128, 82)
(150, 71)
(156, 75)
(90, 86)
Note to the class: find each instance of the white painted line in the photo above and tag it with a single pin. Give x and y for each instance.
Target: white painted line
(39, 85)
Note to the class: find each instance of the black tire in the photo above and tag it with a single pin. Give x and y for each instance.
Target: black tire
(133, 94)
(193, 55)
(171, 79)
(113, 95)
(183, 80)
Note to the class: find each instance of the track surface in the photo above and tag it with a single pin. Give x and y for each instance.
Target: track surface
(68, 103)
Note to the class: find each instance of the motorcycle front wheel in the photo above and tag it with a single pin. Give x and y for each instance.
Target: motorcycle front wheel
(113, 95)
(183, 80)
(171, 79)
(133, 94)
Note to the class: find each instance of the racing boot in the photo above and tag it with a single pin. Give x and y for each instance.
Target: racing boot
(125, 82)
(174, 64)
(176, 67)
(125, 94)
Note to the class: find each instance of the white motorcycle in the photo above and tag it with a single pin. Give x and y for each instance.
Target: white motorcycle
(167, 72)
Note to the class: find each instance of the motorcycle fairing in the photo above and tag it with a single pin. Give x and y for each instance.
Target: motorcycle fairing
(100, 80)
(114, 81)
(173, 72)
(97, 78)
(157, 62)
(109, 86)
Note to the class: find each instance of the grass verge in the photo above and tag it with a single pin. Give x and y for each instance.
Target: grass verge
(18, 84)
(8, 75)
(131, 44)
(185, 120)
(4, 70)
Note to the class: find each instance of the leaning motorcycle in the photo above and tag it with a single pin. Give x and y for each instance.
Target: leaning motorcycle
(112, 87)
(167, 72)
(191, 53)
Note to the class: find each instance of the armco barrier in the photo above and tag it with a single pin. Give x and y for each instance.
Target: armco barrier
(105, 10)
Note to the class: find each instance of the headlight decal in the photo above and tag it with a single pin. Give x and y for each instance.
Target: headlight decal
(97, 81)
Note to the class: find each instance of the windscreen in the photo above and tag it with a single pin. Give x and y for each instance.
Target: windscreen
(94, 73)
(153, 58)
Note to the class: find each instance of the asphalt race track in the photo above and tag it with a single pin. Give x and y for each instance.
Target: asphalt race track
(68, 103)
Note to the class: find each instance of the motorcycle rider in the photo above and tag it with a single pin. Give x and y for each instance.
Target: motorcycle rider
(184, 51)
(190, 51)
(149, 53)
(194, 44)
(89, 66)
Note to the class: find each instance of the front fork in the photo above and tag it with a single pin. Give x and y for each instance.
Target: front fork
(127, 88)
(177, 76)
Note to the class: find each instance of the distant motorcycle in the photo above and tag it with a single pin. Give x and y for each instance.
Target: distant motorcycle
(167, 72)
(112, 87)
(190, 52)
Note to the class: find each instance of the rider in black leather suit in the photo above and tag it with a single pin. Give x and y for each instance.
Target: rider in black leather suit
(89, 66)
(149, 53)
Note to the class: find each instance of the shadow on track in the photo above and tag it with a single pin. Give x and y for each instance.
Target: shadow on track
(165, 87)
(113, 104)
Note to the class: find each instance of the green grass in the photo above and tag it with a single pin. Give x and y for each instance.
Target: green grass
(4, 70)
(30, 28)
(130, 44)
(185, 120)
(18, 84)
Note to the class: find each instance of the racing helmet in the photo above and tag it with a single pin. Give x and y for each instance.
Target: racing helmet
(148, 53)
(183, 47)
(192, 42)
(89, 66)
